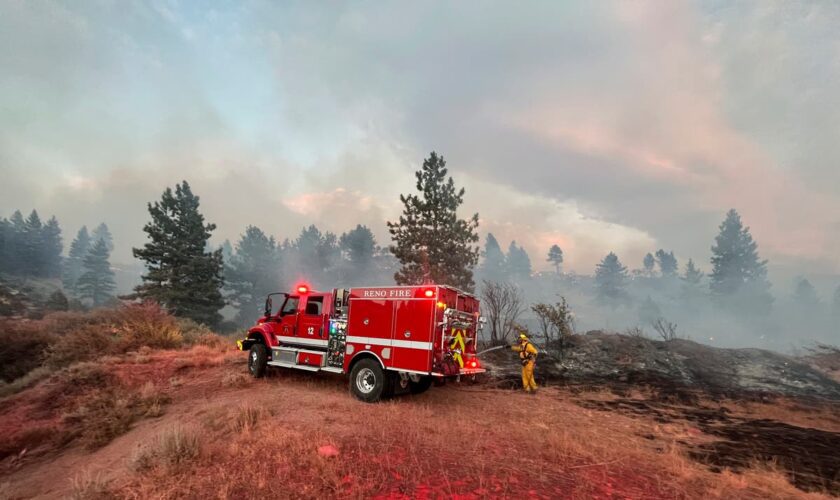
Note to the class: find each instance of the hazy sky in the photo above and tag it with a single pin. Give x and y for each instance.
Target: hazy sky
(601, 126)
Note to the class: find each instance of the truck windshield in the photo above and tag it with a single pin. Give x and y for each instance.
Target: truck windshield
(290, 306)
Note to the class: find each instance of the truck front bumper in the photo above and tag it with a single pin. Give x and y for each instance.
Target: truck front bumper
(244, 344)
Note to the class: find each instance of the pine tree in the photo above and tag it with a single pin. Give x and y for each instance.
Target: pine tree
(227, 251)
(739, 277)
(32, 258)
(518, 263)
(75, 258)
(555, 256)
(667, 263)
(649, 262)
(805, 294)
(692, 275)
(432, 244)
(253, 272)
(359, 245)
(329, 252)
(181, 275)
(493, 267)
(16, 261)
(307, 247)
(691, 283)
(610, 280)
(97, 280)
(6, 239)
(51, 248)
(103, 233)
(57, 301)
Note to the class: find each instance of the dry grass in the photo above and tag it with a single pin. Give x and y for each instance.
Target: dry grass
(89, 486)
(469, 442)
(173, 448)
(236, 378)
(247, 418)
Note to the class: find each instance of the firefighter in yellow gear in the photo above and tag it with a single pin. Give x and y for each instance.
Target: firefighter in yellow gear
(528, 357)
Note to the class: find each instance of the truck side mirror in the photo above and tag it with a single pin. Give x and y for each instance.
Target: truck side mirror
(268, 307)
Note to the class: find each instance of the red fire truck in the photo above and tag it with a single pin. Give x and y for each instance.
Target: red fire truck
(385, 338)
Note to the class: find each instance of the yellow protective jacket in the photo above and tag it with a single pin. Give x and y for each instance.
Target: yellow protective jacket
(527, 353)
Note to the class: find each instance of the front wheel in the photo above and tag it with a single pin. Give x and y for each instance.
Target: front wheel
(257, 360)
(367, 381)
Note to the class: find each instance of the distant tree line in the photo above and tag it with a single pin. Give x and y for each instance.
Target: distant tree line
(738, 279)
(30, 248)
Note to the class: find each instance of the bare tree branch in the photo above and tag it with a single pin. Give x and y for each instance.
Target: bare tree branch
(501, 304)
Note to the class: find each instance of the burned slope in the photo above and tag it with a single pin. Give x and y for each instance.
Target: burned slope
(603, 357)
(807, 455)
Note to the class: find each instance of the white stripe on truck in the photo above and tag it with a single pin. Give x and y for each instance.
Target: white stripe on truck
(300, 340)
(409, 344)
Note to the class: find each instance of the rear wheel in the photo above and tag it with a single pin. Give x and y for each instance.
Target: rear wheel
(257, 359)
(421, 385)
(367, 381)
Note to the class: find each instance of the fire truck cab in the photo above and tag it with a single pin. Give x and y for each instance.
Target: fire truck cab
(384, 338)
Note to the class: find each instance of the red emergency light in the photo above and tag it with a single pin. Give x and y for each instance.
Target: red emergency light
(302, 288)
(473, 364)
(429, 293)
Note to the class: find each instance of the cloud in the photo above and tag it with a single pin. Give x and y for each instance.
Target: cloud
(606, 126)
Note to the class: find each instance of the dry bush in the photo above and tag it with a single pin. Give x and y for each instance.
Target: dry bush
(18, 444)
(100, 407)
(199, 334)
(86, 343)
(146, 324)
(635, 332)
(99, 418)
(73, 381)
(175, 447)
(23, 345)
(152, 400)
(665, 329)
(89, 486)
(31, 378)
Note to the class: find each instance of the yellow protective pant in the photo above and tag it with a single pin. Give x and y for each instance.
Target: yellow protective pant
(528, 382)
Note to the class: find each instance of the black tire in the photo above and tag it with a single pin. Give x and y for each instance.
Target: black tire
(257, 359)
(368, 381)
(421, 385)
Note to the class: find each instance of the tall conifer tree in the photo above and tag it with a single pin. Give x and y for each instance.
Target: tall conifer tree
(739, 276)
(431, 242)
(181, 275)
(97, 280)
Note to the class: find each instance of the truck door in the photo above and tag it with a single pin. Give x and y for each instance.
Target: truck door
(412, 341)
(311, 322)
(287, 318)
